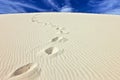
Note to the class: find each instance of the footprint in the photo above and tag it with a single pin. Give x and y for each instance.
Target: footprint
(60, 28)
(22, 70)
(59, 39)
(62, 32)
(51, 50)
(55, 39)
(27, 72)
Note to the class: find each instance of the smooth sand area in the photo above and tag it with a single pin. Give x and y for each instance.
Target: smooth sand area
(59, 46)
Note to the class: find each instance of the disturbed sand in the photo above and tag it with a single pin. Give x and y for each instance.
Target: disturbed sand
(59, 46)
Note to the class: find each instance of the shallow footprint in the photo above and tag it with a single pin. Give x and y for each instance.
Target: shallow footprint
(29, 71)
(62, 32)
(51, 50)
(59, 39)
(60, 28)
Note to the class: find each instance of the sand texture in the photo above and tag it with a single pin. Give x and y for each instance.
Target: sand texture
(59, 46)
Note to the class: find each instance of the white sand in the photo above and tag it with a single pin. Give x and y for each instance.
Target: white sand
(59, 46)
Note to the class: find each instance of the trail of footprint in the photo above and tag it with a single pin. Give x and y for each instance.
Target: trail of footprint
(61, 30)
(29, 71)
(57, 39)
(54, 51)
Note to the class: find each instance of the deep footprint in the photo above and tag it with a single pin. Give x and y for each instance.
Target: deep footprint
(25, 72)
(22, 70)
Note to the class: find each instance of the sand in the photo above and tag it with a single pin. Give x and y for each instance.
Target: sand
(59, 46)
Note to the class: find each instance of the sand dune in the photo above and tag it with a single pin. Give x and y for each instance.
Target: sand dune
(59, 46)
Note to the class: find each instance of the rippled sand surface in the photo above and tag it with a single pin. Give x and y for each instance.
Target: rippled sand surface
(59, 46)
